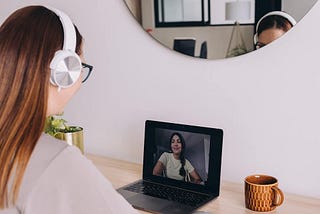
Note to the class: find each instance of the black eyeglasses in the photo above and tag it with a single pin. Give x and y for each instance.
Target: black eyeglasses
(86, 71)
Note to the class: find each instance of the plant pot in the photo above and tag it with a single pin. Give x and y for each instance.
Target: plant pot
(73, 136)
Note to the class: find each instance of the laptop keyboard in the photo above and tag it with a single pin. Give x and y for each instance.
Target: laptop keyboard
(169, 193)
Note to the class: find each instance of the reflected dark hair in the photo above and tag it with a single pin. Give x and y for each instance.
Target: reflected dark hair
(182, 158)
(274, 21)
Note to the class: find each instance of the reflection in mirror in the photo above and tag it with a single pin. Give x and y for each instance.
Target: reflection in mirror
(272, 26)
(212, 29)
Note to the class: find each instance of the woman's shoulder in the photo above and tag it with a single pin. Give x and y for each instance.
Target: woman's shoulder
(70, 182)
(47, 148)
(164, 157)
(166, 154)
(50, 152)
(62, 160)
(46, 152)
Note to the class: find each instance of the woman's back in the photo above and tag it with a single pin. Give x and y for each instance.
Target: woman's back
(59, 179)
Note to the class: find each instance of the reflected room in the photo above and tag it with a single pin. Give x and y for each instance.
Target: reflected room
(210, 29)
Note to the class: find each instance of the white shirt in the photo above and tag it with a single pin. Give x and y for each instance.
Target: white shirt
(173, 166)
(60, 180)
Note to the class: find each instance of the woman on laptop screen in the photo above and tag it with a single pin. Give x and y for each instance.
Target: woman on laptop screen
(174, 164)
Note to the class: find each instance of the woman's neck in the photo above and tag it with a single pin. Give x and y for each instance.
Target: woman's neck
(176, 156)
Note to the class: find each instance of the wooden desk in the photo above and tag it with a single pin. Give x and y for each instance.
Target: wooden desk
(230, 201)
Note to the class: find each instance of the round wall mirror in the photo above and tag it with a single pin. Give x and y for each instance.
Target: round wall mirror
(210, 29)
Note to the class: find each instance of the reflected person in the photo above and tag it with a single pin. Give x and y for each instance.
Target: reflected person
(174, 164)
(272, 26)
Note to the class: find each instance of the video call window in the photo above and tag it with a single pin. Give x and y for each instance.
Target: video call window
(176, 148)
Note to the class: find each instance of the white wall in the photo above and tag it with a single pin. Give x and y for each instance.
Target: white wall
(267, 102)
(296, 8)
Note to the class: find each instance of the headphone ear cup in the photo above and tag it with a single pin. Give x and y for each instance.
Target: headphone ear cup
(65, 68)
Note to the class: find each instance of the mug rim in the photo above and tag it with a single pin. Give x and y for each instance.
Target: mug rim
(260, 175)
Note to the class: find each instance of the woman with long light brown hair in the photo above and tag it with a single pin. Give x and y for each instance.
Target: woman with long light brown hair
(41, 68)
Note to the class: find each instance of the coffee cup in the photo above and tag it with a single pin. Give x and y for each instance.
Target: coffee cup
(262, 193)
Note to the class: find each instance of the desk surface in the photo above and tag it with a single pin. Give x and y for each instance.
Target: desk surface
(230, 201)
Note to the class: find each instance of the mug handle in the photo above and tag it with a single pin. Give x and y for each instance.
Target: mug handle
(278, 195)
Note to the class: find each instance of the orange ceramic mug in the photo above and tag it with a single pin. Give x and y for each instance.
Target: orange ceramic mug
(262, 193)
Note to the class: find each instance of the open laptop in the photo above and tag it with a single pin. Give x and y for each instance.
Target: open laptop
(173, 191)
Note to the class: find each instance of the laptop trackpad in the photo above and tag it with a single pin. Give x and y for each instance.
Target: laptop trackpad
(148, 203)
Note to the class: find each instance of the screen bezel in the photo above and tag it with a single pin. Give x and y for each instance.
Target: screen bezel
(212, 186)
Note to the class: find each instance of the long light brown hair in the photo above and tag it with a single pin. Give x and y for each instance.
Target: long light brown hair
(29, 39)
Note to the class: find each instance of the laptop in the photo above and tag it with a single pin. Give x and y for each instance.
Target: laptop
(166, 186)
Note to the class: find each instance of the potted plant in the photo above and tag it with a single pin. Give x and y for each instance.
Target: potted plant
(57, 127)
(237, 51)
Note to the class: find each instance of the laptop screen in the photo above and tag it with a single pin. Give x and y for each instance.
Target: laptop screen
(183, 155)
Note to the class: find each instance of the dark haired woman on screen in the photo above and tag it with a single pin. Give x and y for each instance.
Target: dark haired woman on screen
(174, 164)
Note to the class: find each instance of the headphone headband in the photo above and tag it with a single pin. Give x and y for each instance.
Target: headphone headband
(285, 15)
(66, 64)
(70, 37)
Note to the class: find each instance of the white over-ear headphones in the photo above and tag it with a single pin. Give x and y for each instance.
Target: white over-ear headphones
(272, 13)
(66, 63)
